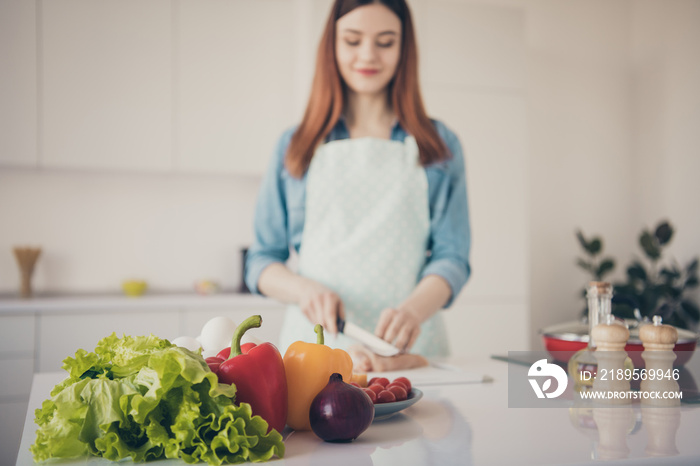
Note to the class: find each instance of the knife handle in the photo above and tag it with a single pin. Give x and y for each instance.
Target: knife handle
(341, 324)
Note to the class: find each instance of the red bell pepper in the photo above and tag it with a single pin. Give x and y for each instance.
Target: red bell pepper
(259, 376)
(215, 361)
(225, 353)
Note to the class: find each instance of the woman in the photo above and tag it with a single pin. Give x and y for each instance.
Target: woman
(370, 192)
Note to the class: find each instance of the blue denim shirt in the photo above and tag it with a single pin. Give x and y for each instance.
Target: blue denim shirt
(279, 213)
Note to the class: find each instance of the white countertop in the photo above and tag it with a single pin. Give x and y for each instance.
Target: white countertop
(105, 302)
(469, 423)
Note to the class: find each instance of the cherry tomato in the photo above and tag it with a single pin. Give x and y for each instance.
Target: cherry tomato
(355, 384)
(399, 392)
(404, 381)
(376, 388)
(397, 384)
(385, 396)
(383, 381)
(370, 393)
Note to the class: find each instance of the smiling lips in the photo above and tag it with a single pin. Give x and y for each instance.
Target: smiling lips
(367, 72)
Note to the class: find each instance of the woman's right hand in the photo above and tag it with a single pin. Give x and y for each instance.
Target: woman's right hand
(321, 305)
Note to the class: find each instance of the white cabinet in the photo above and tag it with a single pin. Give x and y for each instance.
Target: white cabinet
(18, 96)
(60, 336)
(191, 86)
(16, 378)
(17, 342)
(12, 415)
(17, 335)
(17, 368)
(37, 335)
(106, 84)
(234, 83)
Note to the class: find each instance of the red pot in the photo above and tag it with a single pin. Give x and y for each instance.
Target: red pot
(563, 340)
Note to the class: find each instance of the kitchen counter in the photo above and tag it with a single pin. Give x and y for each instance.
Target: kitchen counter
(107, 302)
(471, 423)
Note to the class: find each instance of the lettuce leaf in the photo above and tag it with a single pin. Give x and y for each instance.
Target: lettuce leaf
(144, 398)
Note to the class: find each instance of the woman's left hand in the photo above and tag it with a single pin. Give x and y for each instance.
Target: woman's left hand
(399, 327)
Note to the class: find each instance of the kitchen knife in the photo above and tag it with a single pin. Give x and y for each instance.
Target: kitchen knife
(371, 341)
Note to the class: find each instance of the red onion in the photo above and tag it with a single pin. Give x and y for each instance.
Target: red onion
(340, 412)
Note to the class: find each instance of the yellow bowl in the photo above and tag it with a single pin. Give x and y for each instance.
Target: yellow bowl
(134, 287)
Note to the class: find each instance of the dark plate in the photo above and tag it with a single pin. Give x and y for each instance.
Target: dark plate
(386, 410)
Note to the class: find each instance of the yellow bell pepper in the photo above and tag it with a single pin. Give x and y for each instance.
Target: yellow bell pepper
(308, 367)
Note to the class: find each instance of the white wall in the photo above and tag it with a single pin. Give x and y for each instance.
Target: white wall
(473, 75)
(99, 228)
(666, 119)
(580, 165)
(614, 118)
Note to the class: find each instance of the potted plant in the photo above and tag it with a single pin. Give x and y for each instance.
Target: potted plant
(652, 285)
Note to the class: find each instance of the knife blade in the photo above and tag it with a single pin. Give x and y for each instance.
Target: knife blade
(370, 340)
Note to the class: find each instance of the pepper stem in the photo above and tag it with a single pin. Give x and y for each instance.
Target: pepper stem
(250, 322)
(319, 333)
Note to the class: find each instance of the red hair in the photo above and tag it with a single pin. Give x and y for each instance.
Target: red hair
(326, 100)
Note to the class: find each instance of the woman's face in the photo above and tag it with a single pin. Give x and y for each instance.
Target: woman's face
(368, 47)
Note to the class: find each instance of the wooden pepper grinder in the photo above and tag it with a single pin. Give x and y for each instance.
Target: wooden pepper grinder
(658, 340)
(661, 424)
(26, 259)
(614, 424)
(611, 337)
(661, 416)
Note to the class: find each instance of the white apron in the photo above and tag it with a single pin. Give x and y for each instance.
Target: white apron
(365, 236)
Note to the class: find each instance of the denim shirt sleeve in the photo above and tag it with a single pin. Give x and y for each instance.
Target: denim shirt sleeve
(271, 243)
(450, 235)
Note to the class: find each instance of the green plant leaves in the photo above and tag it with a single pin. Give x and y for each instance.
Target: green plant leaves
(585, 265)
(692, 267)
(670, 275)
(652, 243)
(691, 271)
(592, 247)
(649, 245)
(597, 268)
(656, 289)
(663, 233)
(605, 266)
(595, 246)
(691, 309)
(636, 271)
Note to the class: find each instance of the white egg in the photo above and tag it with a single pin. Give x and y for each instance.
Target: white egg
(187, 342)
(217, 334)
(250, 339)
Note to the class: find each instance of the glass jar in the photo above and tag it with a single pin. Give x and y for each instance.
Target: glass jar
(599, 296)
